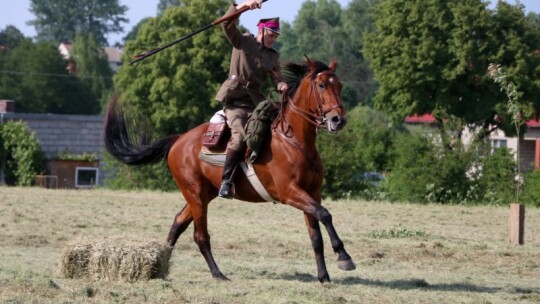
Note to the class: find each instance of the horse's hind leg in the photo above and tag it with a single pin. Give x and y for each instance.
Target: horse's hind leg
(180, 224)
(199, 210)
(318, 247)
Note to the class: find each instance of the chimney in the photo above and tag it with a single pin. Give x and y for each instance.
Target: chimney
(7, 106)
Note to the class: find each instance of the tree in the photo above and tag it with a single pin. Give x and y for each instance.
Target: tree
(324, 31)
(92, 68)
(175, 88)
(165, 4)
(35, 76)
(58, 20)
(431, 57)
(10, 37)
(132, 35)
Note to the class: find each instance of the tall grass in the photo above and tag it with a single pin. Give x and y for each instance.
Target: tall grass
(405, 253)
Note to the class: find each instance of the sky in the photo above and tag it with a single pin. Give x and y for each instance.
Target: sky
(16, 12)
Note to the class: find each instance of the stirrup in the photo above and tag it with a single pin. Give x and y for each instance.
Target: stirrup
(226, 190)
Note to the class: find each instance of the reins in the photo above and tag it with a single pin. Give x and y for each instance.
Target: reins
(318, 120)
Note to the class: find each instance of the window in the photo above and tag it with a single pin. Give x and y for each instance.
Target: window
(497, 143)
(86, 177)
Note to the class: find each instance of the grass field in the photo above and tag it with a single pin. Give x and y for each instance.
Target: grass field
(404, 253)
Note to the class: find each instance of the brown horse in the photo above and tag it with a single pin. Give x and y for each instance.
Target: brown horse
(288, 165)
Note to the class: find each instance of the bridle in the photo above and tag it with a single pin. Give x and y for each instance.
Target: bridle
(319, 119)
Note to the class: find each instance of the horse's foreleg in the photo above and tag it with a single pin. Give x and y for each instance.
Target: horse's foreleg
(318, 247)
(313, 207)
(344, 259)
(180, 224)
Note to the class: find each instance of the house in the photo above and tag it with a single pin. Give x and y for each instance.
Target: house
(114, 56)
(64, 139)
(529, 146)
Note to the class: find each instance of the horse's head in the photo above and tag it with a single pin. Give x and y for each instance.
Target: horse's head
(327, 93)
(315, 92)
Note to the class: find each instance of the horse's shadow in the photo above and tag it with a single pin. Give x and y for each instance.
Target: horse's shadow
(409, 284)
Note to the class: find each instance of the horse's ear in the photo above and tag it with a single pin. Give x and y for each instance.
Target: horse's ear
(310, 63)
(333, 65)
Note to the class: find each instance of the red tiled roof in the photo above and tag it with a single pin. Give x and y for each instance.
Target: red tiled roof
(429, 119)
(533, 123)
(420, 119)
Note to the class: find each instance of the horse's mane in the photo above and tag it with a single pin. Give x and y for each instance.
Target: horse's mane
(293, 73)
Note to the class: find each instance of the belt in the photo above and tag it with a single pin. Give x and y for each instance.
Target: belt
(247, 84)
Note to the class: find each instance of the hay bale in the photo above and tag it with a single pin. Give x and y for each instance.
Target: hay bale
(115, 258)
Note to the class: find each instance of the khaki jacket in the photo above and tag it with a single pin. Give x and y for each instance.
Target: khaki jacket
(249, 69)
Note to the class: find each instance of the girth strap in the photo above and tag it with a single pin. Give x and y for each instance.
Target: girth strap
(249, 171)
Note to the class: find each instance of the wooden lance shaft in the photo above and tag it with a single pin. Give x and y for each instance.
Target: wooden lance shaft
(229, 17)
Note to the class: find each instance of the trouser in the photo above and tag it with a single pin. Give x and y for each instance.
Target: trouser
(236, 119)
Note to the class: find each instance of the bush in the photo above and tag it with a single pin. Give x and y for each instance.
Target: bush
(425, 172)
(531, 189)
(21, 153)
(151, 177)
(363, 146)
(496, 181)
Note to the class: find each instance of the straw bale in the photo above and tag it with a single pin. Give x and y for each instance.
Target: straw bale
(115, 258)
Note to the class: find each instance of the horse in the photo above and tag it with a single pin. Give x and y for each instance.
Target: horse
(288, 165)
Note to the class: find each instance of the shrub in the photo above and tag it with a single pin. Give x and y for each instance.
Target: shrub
(21, 153)
(425, 172)
(496, 181)
(531, 189)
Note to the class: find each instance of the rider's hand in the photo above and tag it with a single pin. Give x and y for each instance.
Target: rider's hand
(253, 4)
(282, 87)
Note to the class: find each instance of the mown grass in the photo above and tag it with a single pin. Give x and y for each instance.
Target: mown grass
(405, 253)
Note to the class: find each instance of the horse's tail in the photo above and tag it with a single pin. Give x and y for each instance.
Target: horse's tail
(120, 143)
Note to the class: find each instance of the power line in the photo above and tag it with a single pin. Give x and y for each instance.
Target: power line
(30, 73)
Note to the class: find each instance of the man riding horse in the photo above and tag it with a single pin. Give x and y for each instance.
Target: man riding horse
(253, 59)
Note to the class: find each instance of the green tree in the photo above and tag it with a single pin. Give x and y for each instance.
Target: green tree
(431, 57)
(10, 37)
(132, 35)
(324, 31)
(21, 154)
(58, 20)
(165, 4)
(175, 88)
(36, 78)
(92, 68)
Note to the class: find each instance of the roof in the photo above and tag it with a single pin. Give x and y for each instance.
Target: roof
(114, 54)
(430, 119)
(420, 119)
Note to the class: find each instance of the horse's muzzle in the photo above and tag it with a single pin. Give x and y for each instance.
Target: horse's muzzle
(336, 123)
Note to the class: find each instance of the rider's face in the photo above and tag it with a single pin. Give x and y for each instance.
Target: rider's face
(269, 37)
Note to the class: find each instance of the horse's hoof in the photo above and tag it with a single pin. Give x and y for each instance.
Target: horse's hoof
(221, 277)
(324, 278)
(346, 265)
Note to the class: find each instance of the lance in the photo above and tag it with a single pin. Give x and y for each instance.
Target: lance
(229, 17)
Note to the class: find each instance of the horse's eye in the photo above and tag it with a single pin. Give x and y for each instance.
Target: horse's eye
(322, 86)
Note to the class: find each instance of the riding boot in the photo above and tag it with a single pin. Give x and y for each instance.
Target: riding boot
(231, 160)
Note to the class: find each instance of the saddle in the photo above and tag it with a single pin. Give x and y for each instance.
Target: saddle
(214, 144)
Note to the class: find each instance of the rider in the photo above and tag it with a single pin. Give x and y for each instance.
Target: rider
(252, 60)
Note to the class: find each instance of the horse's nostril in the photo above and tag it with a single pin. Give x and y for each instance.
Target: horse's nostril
(339, 120)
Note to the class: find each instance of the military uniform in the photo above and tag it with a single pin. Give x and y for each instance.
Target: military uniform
(251, 64)
(249, 68)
